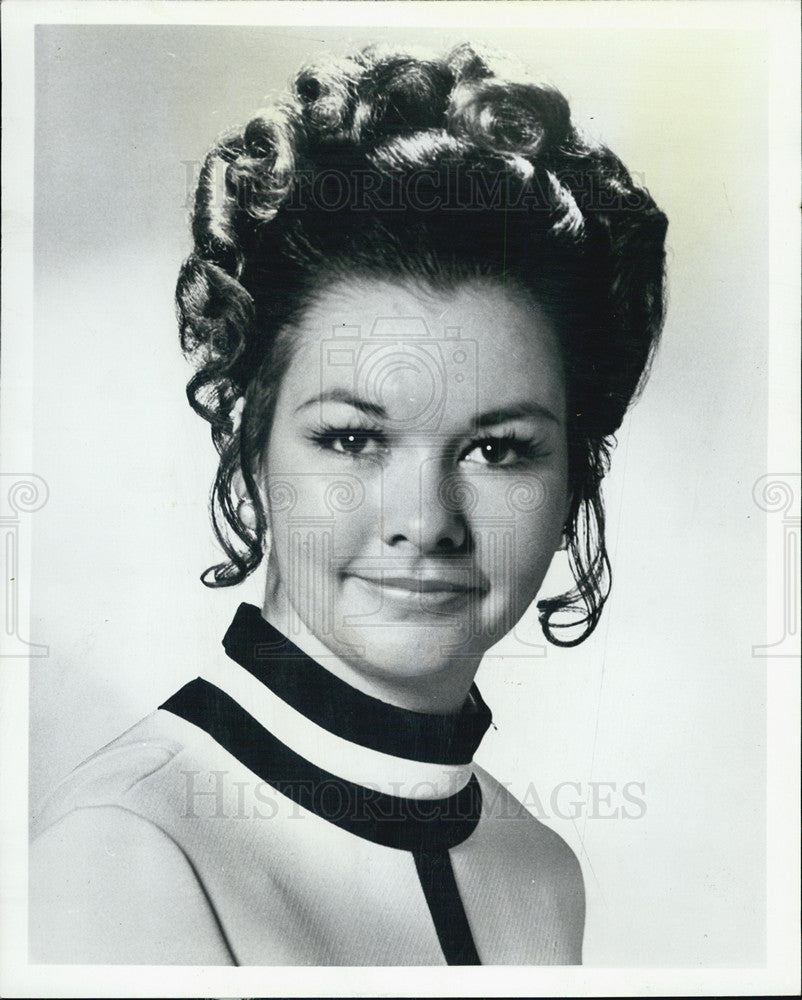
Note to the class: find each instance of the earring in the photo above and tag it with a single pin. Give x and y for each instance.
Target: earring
(246, 513)
(236, 414)
(562, 547)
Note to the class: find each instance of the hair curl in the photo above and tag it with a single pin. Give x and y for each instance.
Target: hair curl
(436, 170)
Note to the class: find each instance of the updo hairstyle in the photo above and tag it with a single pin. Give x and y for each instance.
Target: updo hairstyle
(437, 171)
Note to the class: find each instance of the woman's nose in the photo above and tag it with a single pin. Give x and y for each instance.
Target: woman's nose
(421, 504)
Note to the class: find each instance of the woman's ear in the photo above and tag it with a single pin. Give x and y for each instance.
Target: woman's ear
(567, 510)
(238, 484)
(246, 512)
(566, 528)
(259, 474)
(260, 494)
(236, 414)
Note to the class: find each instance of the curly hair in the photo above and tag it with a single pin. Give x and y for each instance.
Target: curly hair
(435, 170)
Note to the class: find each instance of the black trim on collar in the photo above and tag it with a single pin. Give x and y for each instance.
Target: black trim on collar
(428, 825)
(343, 710)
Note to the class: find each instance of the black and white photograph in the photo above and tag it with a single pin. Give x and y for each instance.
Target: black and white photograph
(401, 499)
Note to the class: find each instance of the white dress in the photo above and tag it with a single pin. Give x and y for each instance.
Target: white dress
(270, 814)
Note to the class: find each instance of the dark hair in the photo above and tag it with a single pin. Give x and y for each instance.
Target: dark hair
(439, 171)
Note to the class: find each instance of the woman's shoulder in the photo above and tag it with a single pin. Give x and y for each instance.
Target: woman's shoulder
(503, 810)
(111, 772)
(107, 883)
(538, 873)
(109, 886)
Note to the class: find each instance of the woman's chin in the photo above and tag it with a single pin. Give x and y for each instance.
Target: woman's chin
(412, 636)
(409, 652)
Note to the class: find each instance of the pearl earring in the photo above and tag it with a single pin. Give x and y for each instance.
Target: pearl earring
(246, 513)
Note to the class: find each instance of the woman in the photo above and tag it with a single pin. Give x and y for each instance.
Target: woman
(419, 305)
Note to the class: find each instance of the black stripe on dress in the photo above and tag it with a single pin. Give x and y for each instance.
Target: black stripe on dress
(343, 710)
(406, 824)
(442, 897)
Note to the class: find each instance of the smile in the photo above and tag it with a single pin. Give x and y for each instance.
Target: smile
(410, 590)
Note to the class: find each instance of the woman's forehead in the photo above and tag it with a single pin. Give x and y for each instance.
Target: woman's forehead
(409, 349)
(369, 298)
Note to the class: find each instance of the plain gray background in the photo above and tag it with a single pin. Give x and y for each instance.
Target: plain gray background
(666, 694)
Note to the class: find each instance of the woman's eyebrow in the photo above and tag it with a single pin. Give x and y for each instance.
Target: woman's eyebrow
(517, 410)
(489, 419)
(344, 396)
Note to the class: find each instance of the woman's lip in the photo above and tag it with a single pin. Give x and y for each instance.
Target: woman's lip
(423, 595)
(418, 585)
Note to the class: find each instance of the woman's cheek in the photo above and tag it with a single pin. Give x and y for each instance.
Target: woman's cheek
(355, 534)
(537, 534)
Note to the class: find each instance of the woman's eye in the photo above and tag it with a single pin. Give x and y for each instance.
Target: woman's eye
(500, 451)
(350, 441)
(357, 442)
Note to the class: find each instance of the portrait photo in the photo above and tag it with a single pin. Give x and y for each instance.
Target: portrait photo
(402, 498)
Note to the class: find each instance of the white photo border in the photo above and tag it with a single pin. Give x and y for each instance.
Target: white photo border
(781, 975)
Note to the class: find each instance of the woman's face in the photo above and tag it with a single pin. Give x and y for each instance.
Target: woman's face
(415, 475)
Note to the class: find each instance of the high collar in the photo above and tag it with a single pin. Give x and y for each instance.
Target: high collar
(397, 777)
(349, 714)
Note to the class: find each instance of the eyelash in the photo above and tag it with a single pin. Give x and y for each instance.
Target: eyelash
(525, 450)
